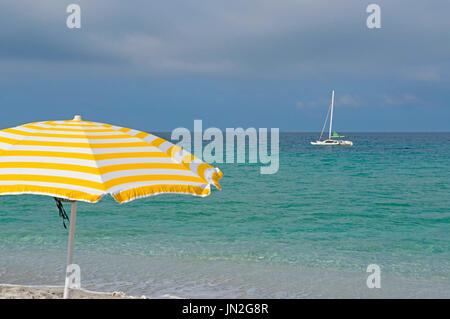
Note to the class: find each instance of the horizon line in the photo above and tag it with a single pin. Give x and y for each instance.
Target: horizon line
(387, 132)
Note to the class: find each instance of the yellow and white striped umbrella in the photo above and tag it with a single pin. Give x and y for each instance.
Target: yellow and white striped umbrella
(81, 160)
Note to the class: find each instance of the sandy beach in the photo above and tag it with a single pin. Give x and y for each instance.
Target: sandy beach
(54, 292)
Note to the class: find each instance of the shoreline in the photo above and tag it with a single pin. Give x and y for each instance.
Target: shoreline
(167, 277)
(10, 291)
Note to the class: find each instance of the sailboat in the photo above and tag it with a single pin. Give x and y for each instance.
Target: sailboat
(333, 138)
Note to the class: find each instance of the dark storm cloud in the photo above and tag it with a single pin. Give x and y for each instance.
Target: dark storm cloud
(248, 38)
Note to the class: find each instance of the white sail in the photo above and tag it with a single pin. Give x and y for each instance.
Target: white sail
(330, 140)
(331, 116)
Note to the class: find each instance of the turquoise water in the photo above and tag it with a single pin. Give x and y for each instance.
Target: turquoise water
(308, 231)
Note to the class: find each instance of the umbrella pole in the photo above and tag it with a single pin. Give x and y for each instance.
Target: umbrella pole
(73, 220)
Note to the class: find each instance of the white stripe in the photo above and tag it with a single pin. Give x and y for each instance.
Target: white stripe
(68, 133)
(150, 149)
(83, 162)
(51, 172)
(43, 159)
(179, 155)
(70, 140)
(150, 138)
(78, 150)
(194, 165)
(131, 160)
(72, 122)
(99, 124)
(57, 185)
(5, 146)
(133, 132)
(165, 146)
(126, 139)
(68, 126)
(11, 136)
(209, 173)
(85, 150)
(140, 172)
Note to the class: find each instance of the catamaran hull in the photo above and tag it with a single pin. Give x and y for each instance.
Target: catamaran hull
(333, 143)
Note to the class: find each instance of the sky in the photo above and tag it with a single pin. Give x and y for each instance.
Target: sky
(158, 65)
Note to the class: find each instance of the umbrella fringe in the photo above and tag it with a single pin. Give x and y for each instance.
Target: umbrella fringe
(62, 211)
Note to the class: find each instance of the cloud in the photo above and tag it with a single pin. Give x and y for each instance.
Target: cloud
(405, 99)
(424, 73)
(300, 105)
(288, 39)
(313, 104)
(345, 100)
(348, 100)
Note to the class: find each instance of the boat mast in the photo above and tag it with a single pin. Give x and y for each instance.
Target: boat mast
(331, 116)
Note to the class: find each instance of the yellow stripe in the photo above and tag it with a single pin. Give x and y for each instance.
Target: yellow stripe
(99, 157)
(119, 145)
(93, 157)
(71, 123)
(201, 169)
(9, 140)
(216, 176)
(158, 141)
(70, 144)
(124, 129)
(145, 191)
(66, 129)
(90, 137)
(171, 151)
(152, 178)
(142, 135)
(92, 170)
(49, 154)
(187, 159)
(124, 167)
(64, 167)
(51, 191)
(52, 179)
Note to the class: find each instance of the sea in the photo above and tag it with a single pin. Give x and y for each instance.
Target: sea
(309, 231)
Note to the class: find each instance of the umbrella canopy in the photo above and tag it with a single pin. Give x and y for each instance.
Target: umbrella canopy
(81, 160)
